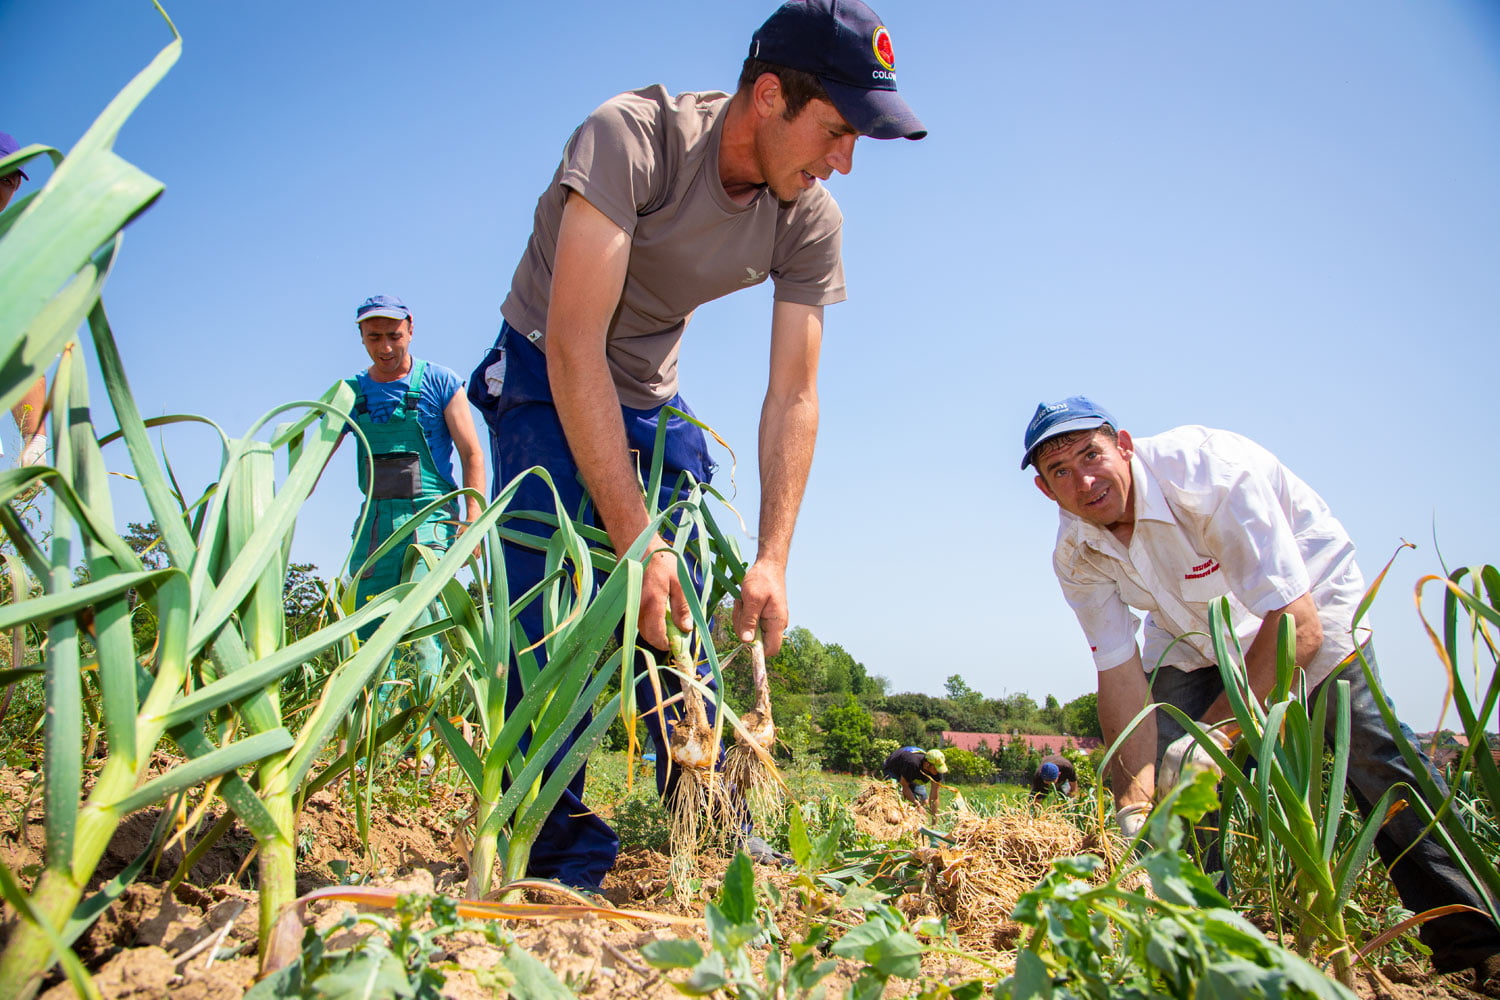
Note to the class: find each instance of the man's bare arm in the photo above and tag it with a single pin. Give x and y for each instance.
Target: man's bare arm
(470, 456)
(1260, 658)
(1123, 692)
(788, 431)
(588, 276)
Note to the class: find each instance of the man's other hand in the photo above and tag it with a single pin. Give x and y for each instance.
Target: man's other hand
(762, 605)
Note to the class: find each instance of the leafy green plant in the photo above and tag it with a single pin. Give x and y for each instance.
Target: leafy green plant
(395, 957)
(1289, 801)
(56, 248)
(1182, 939)
(218, 602)
(1465, 814)
(514, 795)
(735, 922)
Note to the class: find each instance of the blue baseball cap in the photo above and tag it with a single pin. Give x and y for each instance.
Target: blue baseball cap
(382, 305)
(1076, 413)
(844, 45)
(9, 145)
(1049, 771)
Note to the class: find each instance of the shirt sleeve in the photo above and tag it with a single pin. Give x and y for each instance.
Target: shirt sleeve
(807, 266)
(1107, 621)
(1249, 533)
(440, 385)
(610, 161)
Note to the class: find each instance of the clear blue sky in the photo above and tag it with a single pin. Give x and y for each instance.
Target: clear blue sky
(1280, 218)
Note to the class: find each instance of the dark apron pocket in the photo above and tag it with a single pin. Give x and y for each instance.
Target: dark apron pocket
(398, 476)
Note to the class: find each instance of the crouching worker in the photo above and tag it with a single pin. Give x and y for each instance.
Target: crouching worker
(912, 768)
(1054, 774)
(413, 414)
(1170, 523)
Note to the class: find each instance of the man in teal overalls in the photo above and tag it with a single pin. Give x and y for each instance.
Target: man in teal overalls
(413, 413)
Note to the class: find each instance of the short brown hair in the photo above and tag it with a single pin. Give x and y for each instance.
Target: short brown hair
(797, 86)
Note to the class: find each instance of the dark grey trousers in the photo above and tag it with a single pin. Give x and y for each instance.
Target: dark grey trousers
(1426, 877)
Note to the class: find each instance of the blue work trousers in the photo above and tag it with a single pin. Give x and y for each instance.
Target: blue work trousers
(1426, 877)
(510, 388)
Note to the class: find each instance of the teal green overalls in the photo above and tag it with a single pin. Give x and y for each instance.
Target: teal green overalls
(405, 480)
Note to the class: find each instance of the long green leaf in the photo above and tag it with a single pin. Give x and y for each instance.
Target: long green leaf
(200, 769)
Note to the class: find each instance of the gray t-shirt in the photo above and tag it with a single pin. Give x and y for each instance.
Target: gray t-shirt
(650, 162)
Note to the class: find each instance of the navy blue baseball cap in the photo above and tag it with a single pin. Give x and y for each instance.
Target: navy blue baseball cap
(1049, 771)
(1076, 413)
(9, 145)
(844, 45)
(382, 305)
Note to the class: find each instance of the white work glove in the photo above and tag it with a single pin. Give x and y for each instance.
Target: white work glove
(35, 451)
(1132, 818)
(1186, 755)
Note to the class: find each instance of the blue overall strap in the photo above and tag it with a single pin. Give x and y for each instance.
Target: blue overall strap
(414, 386)
(409, 398)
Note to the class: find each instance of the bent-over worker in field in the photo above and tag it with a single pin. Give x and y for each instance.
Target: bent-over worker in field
(414, 414)
(28, 412)
(1168, 523)
(660, 204)
(1054, 774)
(912, 768)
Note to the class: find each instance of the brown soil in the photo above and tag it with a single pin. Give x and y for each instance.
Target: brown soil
(197, 942)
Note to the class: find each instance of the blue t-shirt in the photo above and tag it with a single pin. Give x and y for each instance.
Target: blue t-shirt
(439, 386)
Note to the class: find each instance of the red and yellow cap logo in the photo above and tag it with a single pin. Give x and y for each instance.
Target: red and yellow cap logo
(881, 43)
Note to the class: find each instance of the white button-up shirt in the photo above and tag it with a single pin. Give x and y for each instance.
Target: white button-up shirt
(1215, 515)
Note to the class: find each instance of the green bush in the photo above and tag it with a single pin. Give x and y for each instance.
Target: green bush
(847, 732)
(877, 752)
(967, 768)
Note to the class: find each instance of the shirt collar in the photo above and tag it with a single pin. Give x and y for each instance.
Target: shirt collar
(1150, 503)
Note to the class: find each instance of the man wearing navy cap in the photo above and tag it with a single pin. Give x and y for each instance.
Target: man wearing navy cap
(662, 203)
(413, 415)
(1055, 773)
(1170, 523)
(28, 412)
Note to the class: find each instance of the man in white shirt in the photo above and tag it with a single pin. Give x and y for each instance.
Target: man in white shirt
(1169, 523)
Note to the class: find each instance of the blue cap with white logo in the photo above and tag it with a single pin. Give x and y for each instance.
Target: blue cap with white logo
(844, 45)
(382, 305)
(1076, 413)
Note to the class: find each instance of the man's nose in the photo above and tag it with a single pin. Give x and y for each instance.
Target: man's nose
(842, 156)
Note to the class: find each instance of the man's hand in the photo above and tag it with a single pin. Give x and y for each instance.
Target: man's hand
(762, 605)
(1186, 755)
(662, 591)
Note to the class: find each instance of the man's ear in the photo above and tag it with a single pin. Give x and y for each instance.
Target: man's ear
(766, 95)
(1125, 444)
(1041, 484)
